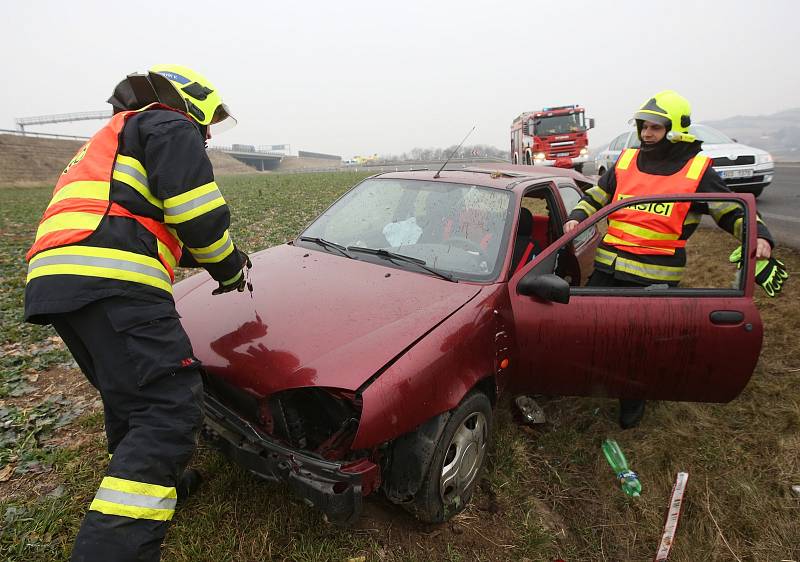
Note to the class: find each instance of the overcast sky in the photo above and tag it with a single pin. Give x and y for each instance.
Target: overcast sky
(353, 78)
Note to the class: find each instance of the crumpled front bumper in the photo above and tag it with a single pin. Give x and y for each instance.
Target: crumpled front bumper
(335, 488)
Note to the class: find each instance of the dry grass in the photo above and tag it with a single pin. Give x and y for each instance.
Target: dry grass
(547, 491)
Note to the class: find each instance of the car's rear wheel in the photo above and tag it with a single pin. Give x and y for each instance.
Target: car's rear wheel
(601, 171)
(457, 460)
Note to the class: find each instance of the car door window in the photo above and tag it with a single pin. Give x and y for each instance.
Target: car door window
(633, 140)
(571, 195)
(707, 267)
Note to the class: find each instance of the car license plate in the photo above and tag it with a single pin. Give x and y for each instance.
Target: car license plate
(560, 154)
(732, 174)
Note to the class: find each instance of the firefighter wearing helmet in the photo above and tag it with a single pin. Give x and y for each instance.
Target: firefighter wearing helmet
(641, 249)
(137, 201)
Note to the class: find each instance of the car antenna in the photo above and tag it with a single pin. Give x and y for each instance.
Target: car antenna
(436, 175)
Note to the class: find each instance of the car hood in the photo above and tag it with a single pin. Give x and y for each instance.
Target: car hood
(314, 319)
(729, 150)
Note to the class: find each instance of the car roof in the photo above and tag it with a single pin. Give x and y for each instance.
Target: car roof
(497, 175)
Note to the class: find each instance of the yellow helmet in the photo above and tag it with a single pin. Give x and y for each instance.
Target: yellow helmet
(199, 97)
(670, 109)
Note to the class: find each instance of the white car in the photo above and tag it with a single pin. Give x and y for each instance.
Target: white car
(743, 168)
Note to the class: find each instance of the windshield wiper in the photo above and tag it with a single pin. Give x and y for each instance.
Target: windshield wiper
(327, 244)
(422, 264)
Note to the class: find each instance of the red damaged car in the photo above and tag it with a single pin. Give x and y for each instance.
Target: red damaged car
(376, 343)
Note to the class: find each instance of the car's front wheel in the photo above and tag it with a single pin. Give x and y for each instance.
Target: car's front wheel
(457, 460)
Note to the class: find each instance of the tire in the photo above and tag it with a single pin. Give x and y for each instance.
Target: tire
(527, 158)
(601, 171)
(515, 158)
(579, 168)
(457, 461)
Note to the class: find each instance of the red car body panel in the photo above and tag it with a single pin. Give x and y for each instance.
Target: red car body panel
(315, 319)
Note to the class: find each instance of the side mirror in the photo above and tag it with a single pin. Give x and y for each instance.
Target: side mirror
(591, 123)
(548, 287)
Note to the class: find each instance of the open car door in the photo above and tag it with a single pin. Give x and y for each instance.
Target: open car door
(682, 343)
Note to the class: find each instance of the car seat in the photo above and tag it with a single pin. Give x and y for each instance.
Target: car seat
(532, 238)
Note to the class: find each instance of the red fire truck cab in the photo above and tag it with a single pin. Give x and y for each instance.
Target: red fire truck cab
(554, 136)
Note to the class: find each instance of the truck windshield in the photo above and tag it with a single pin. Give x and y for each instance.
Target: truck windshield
(559, 125)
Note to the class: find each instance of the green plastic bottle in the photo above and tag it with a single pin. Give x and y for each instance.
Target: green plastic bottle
(628, 479)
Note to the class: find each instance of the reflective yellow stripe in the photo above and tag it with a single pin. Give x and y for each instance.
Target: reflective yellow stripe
(134, 487)
(737, 228)
(216, 252)
(83, 190)
(132, 162)
(139, 187)
(642, 232)
(192, 194)
(720, 209)
(585, 207)
(109, 508)
(698, 162)
(605, 257)
(598, 194)
(625, 160)
(164, 250)
(611, 239)
(193, 203)
(233, 279)
(63, 221)
(649, 271)
(692, 218)
(100, 262)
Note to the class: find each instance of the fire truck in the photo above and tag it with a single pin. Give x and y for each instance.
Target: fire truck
(553, 136)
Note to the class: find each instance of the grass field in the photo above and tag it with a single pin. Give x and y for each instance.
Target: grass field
(547, 492)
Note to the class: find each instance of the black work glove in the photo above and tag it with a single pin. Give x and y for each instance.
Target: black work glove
(237, 282)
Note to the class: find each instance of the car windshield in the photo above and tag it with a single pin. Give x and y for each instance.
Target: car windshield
(559, 124)
(709, 135)
(457, 229)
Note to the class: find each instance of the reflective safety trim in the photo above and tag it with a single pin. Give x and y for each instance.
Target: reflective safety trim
(649, 271)
(611, 239)
(642, 232)
(137, 500)
(216, 252)
(737, 227)
(598, 194)
(193, 203)
(625, 160)
(605, 257)
(586, 207)
(133, 163)
(698, 163)
(100, 262)
(69, 221)
(692, 218)
(719, 209)
(163, 250)
(128, 171)
(233, 279)
(82, 190)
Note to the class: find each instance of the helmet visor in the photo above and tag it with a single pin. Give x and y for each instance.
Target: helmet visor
(222, 120)
(652, 117)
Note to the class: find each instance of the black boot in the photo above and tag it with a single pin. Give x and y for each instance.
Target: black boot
(188, 484)
(630, 412)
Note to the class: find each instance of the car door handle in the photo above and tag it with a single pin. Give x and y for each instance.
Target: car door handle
(726, 317)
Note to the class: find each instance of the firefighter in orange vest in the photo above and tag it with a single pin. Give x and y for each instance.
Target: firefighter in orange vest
(646, 248)
(138, 200)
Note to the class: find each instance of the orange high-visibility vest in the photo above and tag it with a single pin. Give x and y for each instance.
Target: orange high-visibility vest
(651, 228)
(81, 200)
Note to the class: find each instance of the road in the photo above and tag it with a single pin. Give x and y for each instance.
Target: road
(779, 205)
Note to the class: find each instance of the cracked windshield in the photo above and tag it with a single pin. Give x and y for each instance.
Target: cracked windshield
(456, 229)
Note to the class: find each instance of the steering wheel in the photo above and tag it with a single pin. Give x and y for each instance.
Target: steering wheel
(465, 243)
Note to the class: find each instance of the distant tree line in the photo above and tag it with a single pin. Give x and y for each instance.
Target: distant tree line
(475, 150)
